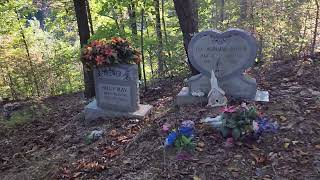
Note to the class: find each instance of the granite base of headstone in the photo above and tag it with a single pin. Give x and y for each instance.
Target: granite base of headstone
(92, 112)
(228, 54)
(117, 94)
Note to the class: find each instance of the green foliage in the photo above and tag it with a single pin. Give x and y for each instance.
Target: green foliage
(184, 143)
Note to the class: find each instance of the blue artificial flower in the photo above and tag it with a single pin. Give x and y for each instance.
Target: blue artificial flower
(266, 126)
(171, 138)
(186, 131)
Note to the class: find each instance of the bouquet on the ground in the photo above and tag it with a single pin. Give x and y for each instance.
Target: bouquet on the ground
(241, 122)
(182, 138)
(109, 52)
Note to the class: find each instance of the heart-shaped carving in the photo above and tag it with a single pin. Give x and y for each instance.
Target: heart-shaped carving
(228, 53)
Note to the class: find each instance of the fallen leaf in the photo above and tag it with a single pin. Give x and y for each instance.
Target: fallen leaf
(286, 140)
(111, 152)
(283, 118)
(235, 174)
(77, 174)
(113, 133)
(196, 178)
(199, 149)
(201, 144)
(286, 145)
(122, 138)
(258, 159)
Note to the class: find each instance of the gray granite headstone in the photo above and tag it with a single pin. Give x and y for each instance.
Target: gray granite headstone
(117, 93)
(229, 54)
(117, 87)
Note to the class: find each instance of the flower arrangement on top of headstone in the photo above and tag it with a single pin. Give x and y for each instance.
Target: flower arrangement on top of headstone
(114, 63)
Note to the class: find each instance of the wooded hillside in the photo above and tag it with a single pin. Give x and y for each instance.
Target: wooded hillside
(40, 44)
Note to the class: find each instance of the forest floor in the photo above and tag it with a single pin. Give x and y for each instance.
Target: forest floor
(53, 144)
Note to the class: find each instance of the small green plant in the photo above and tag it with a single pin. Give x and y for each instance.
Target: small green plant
(184, 143)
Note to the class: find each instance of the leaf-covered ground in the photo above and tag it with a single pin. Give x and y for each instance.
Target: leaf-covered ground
(53, 144)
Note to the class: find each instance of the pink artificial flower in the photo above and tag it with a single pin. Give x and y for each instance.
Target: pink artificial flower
(88, 56)
(244, 105)
(108, 52)
(229, 109)
(255, 126)
(166, 127)
(229, 143)
(100, 60)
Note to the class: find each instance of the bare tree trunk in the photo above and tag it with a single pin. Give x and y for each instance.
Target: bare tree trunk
(195, 8)
(84, 33)
(222, 3)
(89, 17)
(315, 32)
(11, 85)
(164, 27)
(133, 20)
(188, 23)
(303, 34)
(115, 18)
(32, 69)
(159, 38)
(149, 52)
(243, 9)
(142, 48)
(134, 29)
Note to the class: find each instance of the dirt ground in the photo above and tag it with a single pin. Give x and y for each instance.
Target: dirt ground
(53, 143)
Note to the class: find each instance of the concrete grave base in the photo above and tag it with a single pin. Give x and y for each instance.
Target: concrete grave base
(92, 112)
(185, 98)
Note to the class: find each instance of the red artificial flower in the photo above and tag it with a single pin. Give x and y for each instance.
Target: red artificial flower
(100, 60)
(115, 40)
(89, 50)
(96, 43)
(229, 109)
(88, 57)
(108, 52)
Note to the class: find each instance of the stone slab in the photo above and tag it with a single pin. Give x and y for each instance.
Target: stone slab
(184, 98)
(92, 112)
(262, 96)
(199, 82)
(241, 86)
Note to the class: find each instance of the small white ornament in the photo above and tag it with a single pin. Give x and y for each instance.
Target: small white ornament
(197, 93)
(216, 95)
